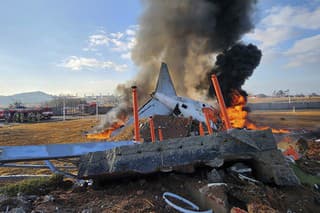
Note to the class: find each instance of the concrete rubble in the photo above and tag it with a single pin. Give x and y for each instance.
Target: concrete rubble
(258, 148)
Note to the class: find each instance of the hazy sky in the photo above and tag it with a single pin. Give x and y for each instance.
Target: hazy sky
(83, 47)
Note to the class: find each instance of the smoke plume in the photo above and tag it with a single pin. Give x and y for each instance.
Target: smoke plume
(185, 34)
(233, 67)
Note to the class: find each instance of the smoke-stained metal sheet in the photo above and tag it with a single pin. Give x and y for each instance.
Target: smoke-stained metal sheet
(54, 151)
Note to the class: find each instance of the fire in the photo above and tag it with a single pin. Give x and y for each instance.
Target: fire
(106, 134)
(238, 116)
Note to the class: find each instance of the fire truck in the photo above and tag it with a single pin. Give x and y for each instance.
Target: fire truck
(21, 114)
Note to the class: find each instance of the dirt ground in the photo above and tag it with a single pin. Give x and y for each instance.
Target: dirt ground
(145, 194)
(127, 195)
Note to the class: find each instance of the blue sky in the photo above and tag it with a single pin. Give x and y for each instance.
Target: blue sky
(83, 47)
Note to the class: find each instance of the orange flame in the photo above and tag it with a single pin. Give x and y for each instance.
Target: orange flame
(106, 134)
(239, 116)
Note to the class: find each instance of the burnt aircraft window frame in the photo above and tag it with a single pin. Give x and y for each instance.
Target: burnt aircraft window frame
(176, 110)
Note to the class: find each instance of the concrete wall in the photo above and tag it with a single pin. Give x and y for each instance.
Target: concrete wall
(284, 106)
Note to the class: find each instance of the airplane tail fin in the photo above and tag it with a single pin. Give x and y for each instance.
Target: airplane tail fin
(164, 84)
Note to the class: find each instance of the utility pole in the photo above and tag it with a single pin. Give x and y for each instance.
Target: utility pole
(101, 103)
(289, 98)
(97, 108)
(64, 108)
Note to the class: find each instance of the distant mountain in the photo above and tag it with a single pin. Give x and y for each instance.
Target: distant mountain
(261, 95)
(28, 98)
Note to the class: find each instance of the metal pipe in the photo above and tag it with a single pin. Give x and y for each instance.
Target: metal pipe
(64, 108)
(57, 171)
(221, 102)
(135, 113)
(201, 131)
(97, 108)
(205, 112)
(160, 133)
(153, 137)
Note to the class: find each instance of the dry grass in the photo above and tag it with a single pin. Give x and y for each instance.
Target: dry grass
(46, 133)
(73, 131)
(287, 119)
(36, 186)
(43, 133)
(283, 99)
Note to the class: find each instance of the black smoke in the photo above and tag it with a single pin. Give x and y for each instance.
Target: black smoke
(233, 67)
(185, 34)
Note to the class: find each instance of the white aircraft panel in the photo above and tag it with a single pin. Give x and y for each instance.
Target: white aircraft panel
(152, 107)
(54, 151)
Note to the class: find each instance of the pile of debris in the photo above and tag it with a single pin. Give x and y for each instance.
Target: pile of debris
(228, 171)
(219, 189)
(241, 166)
(170, 127)
(313, 150)
(303, 150)
(310, 159)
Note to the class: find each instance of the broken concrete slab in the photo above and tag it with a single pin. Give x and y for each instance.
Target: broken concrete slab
(171, 154)
(245, 138)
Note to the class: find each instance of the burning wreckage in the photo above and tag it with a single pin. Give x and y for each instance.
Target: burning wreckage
(172, 133)
(180, 142)
(190, 134)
